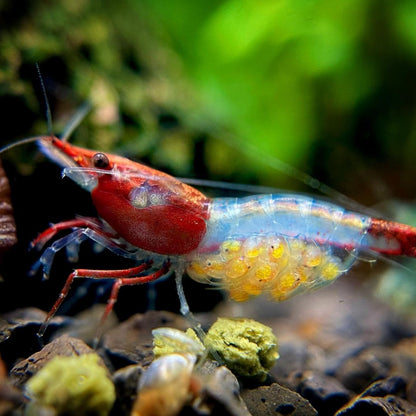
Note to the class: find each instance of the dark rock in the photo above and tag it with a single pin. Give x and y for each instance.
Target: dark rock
(333, 318)
(411, 390)
(10, 397)
(221, 395)
(296, 356)
(373, 364)
(395, 385)
(325, 393)
(26, 317)
(126, 381)
(87, 324)
(131, 341)
(384, 397)
(339, 356)
(18, 331)
(378, 406)
(276, 400)
(26, 320)
(64, 345)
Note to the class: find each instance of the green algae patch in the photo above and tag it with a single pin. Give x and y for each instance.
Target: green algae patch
(246, 347)
(76, 385)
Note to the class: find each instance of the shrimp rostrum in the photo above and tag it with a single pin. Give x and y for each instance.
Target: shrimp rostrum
(279, 245)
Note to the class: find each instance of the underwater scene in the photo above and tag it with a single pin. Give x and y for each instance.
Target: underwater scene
(208, 208)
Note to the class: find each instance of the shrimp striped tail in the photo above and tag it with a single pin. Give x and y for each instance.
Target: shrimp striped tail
(391, 238)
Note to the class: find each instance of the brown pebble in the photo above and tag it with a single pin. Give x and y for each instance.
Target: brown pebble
(221, 394)
(373, 364)
(21, 319)
(87, 324)
(126, 380)
(297, 356)
(325, 393)
(411, 390)
(380, 406)
(395, 385)
(131, 341)
(64, 345)
(276, 400)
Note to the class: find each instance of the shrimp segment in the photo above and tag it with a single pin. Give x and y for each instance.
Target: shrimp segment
(283, 245)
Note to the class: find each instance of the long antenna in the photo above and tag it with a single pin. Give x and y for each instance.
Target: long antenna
(73, 123)
(20, 142)
(75, 120)
(45, 97)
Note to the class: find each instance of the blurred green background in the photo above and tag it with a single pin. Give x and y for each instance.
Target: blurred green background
(212, 89)
(238, 90)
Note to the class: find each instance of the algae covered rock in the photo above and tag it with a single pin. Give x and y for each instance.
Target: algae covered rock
(247, 347)
(75, 385)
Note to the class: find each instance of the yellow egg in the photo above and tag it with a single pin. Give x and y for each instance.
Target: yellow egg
(330, 271)
(236, 268)
(230, 247)
(265, 273)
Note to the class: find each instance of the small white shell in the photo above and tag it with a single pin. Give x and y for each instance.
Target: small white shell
(165, 387)
(167, 369)
(177, 341)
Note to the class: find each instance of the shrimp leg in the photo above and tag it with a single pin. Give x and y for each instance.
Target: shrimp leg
(50, 232)
(123, 277)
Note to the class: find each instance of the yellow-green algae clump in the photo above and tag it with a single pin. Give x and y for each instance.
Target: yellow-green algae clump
(247, 347)
(76, 385)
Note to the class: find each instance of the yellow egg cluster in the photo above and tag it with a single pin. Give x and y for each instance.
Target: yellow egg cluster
(277, 266)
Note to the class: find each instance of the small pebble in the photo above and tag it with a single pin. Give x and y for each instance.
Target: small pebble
(395, 385)
(222, 394)
(297, 356)
(131, 342)
(63, 346)
(18, 330)
(373, 364)
(276, 400)
(380, 406)
(325, 393)
(126, 380)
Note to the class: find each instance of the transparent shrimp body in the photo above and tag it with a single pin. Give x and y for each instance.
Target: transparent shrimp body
(279, 245)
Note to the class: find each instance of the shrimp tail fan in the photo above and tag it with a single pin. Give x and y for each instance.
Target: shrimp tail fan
(391, 238)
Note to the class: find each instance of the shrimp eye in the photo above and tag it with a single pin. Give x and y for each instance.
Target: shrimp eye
(100, 161)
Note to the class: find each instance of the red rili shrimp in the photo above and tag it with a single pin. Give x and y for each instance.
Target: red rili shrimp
(278, 244)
